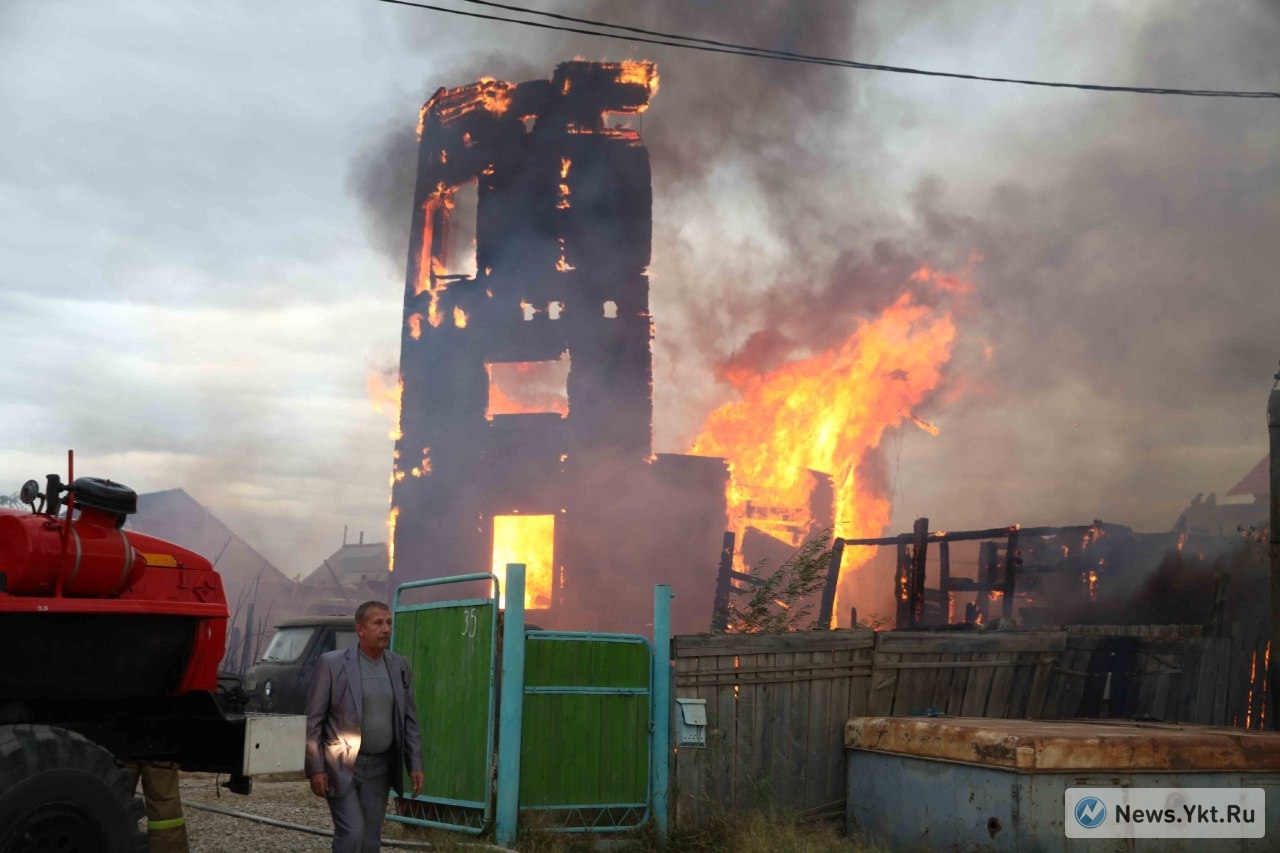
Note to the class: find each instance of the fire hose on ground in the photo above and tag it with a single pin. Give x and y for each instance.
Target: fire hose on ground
(328, 833)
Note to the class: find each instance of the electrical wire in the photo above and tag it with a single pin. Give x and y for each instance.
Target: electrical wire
(664, 39)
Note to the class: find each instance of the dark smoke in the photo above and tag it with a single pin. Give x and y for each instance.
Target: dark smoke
(1128, 242)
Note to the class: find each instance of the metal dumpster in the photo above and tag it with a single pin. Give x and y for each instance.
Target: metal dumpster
(969, 784)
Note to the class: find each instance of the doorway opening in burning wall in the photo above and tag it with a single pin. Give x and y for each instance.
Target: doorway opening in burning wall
(528, 539)
(528, 387)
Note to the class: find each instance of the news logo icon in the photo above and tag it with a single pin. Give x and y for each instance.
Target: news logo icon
(1091, 812)
(1125, 811)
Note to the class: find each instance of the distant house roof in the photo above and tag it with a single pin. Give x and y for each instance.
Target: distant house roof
(180, 518)
(1256, 482)
(360, 568)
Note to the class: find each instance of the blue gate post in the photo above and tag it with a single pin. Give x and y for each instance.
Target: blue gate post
(511, 710)
(660, 759)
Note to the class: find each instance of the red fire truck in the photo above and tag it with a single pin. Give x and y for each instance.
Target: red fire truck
(110, 642)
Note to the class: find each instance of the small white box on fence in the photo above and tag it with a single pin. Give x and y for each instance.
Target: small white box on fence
(691, 722)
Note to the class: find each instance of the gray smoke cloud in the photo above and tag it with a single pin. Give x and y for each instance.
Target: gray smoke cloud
(1127, 241)
(201, 250)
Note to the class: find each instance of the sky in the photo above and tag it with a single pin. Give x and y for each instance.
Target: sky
(204, 215)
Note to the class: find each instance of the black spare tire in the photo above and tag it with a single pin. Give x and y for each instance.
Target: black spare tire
(61, 792)
(105, 495)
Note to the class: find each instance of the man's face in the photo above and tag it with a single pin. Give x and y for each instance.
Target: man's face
(375, 631)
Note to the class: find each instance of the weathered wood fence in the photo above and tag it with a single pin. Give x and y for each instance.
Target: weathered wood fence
(777, 704)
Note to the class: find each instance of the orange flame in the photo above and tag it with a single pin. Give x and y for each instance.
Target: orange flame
(430, 265)
(385, 398)
(424, 467)
(415, 326)
(643, 73)
(495, 95)
(527, 539)
(520, 388)
(486, 93)
(827, 413)
(391, 538)
(923, 424)
(562, 265)
(459, 317)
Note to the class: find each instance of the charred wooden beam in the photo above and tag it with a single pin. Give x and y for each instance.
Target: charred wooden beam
(988, 567)
(919, 556)
(967, 585)
(720, 607)
(944, 568)
(900, 587)
(827, 605)
(1010, 574)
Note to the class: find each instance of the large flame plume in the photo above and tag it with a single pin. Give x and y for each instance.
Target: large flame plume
(826, 413)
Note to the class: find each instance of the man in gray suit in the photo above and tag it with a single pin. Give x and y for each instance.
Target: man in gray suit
(362, 731)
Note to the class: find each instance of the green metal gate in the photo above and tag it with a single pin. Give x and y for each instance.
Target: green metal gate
(584, 758)
(583, 716)
(452, 649)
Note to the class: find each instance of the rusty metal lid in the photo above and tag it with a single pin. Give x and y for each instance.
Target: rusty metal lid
(1053, 745)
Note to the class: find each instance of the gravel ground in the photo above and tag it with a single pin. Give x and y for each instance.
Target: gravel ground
(279, 798)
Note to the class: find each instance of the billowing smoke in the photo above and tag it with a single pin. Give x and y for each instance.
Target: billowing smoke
(1115, 358)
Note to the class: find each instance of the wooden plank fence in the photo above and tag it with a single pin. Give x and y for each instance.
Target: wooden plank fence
(777, 703)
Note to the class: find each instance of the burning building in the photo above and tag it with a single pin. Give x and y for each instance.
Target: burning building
(525, 429)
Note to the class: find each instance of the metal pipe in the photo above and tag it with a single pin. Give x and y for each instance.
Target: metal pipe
(660, 760)
(1273, 427)
(511, 710)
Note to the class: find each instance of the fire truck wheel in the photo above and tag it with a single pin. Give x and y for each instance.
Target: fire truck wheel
(60, 791)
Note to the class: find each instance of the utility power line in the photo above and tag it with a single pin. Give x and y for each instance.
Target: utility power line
(645, 36)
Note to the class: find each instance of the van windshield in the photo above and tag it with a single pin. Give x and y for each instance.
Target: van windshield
(288, 644)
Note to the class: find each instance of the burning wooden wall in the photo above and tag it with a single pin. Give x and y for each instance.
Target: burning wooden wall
(526, 368)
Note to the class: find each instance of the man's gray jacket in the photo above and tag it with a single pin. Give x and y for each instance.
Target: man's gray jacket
(333, 719)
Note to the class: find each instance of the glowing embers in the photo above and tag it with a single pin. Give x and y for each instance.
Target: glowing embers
(527, 539)
(562, 265)
(528, 387)
(563, 203)
(493, 96)
(641, 73)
